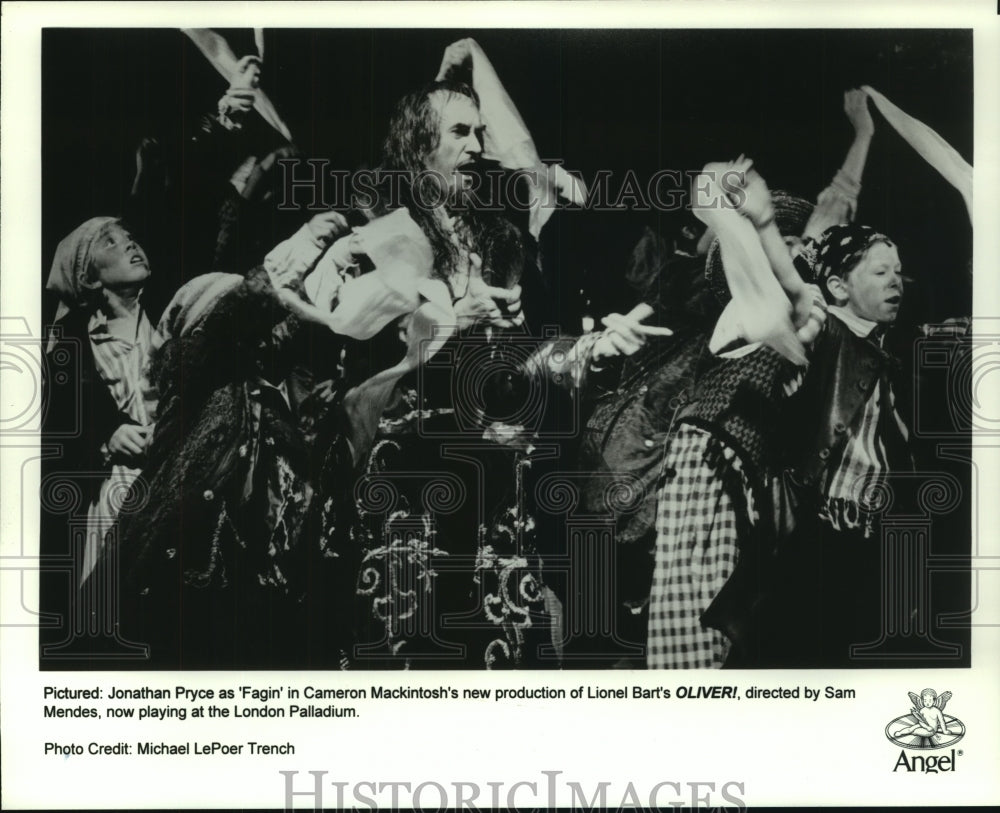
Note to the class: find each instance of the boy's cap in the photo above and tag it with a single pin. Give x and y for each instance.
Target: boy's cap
(791, 215)
(840, 248)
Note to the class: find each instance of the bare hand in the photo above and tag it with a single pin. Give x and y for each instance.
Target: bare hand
(149, 165)
(347, 250)
(455, 57)
(501, 307)
(856, 108)
(809, 314)
(146, 154)
(955, 327)
(247, 74)
(325, 391)
(752, 198)
(242, 93)
(326, 226)
(236, 103)
(129, 440)
(508, 301)
(470, 310)
(625, 335)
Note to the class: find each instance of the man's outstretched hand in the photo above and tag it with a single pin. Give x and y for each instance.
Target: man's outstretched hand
(500, 307)
(625, 334)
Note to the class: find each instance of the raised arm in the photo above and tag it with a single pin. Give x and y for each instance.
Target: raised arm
(570, 361)
(506, 136)
(808, 308)
(856, 108)
(839, 201)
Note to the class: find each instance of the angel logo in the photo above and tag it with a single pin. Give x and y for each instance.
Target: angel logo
(926, 727)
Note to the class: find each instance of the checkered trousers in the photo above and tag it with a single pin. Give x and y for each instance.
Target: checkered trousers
(697, 521)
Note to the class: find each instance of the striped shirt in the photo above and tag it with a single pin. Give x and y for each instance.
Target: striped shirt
(864, 460)
(121, 350)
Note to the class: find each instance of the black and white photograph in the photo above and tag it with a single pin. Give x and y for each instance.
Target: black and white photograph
(571, 352)
(443, 365)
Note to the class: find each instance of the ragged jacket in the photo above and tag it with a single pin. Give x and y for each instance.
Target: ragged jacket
(622, 450)
(844, 371)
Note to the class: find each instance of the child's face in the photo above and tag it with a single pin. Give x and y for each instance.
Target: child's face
(119, 261)
(928, 701)
(874, 289)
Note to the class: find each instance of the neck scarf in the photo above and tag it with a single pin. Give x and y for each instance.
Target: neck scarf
(858, 325)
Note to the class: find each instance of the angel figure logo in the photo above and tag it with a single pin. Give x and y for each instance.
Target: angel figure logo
(926, 727)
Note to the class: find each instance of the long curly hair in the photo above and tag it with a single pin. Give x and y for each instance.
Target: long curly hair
(414, 133)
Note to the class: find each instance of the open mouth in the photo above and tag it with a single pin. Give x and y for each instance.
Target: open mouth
(137, 260)
(894, 300)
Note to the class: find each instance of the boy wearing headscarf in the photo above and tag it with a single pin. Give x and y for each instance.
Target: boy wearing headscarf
(106, 412)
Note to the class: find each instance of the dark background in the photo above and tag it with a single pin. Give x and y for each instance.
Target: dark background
(618, 100)
(599, 100)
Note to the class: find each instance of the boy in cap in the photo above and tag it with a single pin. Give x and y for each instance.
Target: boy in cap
(845, 436)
